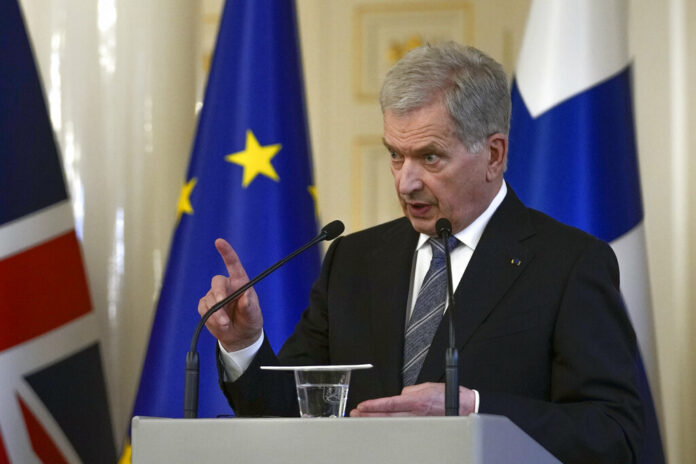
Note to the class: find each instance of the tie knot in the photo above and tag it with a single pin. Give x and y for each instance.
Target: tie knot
(439, 250)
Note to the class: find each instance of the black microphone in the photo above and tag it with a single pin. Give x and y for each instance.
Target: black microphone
(328, 232)
(444, 230)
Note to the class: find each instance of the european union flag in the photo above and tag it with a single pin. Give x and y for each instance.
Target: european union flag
(250, 182)
(573, 152)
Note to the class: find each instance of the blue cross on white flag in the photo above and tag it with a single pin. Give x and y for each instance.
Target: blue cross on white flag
(573, 152)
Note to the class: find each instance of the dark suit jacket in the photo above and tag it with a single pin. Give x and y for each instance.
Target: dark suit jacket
(540, 326)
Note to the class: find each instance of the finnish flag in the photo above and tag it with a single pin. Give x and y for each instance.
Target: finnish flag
(573, 150)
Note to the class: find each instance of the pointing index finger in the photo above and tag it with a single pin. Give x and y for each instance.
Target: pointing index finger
(234, 266)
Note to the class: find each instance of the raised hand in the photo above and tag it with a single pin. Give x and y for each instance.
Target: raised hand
(239, 323)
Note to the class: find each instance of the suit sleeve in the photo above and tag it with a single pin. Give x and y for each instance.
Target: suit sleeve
(271, 393)
(594, 411)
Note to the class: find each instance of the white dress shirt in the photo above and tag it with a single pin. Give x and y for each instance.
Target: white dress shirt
(460, 256)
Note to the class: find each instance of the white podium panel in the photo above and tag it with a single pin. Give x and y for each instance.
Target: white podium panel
(437, 440)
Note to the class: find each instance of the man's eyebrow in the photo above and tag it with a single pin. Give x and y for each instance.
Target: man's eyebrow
(429, 148)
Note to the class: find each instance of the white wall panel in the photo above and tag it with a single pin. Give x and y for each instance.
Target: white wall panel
(120, 80)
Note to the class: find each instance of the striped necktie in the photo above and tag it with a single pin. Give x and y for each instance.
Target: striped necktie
(427, 312)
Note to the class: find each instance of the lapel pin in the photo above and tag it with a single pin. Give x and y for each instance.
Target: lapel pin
(515, 261)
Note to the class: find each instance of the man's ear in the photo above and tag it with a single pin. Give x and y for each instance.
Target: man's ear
(497, 156)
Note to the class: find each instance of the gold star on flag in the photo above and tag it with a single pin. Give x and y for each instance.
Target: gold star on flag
(255, 159)
(184, 203)
(312, 189)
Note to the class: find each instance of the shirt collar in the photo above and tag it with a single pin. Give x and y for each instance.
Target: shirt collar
(471, 234)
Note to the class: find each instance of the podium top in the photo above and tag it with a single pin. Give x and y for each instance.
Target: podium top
(403, 440)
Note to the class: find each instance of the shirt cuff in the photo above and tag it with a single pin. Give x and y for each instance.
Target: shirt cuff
(236, 362)
(477, 401)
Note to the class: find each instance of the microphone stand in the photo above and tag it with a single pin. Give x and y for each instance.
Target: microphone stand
(444, 229)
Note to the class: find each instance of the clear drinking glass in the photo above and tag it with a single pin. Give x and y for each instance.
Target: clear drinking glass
(322, 393)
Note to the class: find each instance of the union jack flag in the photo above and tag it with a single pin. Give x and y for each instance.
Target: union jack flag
(53, 402)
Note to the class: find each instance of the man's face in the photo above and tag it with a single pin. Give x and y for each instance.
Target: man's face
(434, 174)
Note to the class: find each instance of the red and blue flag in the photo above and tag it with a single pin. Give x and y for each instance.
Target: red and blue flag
(53, 401)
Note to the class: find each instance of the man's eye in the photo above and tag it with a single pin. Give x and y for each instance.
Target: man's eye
(394, 156)
(431, 158)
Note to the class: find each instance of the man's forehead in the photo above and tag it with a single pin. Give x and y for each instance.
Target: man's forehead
(417, 132)
(434, 115)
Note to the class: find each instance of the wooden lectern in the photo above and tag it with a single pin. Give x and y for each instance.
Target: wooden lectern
(435, 440)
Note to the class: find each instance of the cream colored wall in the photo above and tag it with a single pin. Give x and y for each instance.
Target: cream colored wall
(664, 46)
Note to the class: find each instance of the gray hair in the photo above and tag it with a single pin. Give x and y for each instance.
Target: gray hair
(472, 85)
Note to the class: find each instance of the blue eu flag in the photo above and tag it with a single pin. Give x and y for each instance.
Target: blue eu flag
(250, 182)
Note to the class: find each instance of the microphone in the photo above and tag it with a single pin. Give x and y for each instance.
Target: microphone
(444, 230)
(328, 232)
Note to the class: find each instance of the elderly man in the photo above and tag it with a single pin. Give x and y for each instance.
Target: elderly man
(542, 334)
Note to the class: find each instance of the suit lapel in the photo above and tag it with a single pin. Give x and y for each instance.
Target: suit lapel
(389, 279)
(497, 262)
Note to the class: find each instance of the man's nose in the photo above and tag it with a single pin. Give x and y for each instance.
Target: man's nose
(409, 178)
